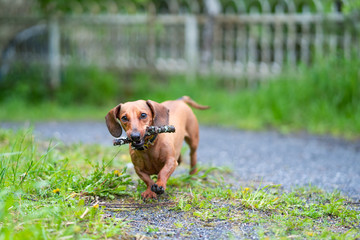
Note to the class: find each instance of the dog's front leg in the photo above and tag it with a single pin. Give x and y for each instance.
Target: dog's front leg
(149, 183)
(160, 186)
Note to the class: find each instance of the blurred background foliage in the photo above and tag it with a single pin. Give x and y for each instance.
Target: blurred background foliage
(323, 98)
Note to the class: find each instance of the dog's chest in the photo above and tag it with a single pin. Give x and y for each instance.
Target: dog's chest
(147, 162)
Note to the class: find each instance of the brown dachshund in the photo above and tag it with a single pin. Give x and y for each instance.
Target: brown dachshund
(158, 154)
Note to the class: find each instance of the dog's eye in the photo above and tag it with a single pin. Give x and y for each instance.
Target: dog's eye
(124, 118)
(143, 116)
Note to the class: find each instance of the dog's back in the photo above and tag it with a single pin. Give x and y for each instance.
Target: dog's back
(185, 122)
(181, 115)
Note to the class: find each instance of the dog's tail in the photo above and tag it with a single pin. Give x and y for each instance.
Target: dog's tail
(192, 103)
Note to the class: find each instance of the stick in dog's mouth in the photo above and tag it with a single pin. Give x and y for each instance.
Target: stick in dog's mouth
(152, 130)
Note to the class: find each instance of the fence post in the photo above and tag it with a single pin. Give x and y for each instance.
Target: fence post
(191, 46)
(151, 34)
(54, 53)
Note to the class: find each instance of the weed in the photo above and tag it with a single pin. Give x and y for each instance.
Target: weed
(179, 224)
(151, 229)
(103, 184)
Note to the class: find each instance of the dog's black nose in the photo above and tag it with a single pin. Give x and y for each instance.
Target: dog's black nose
(135, 136)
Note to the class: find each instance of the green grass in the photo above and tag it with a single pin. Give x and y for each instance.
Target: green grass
(44, 193)
(21, 111)
(321, 99)
(304, 212)
(50, 191)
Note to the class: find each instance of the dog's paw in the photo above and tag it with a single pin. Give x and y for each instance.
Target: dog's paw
(148, 194)
(157, 189)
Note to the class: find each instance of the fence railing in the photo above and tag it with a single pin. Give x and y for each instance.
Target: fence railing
(249, 44)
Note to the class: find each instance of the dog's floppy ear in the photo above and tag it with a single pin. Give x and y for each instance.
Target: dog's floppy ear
(160, 113)
(112, 123)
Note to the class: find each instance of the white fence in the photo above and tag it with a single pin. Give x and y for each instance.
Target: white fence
(254, 40)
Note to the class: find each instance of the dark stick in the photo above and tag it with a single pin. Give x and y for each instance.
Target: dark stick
(152, 130)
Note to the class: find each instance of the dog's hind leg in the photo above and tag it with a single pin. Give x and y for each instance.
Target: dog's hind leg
(193, 142)
(192, 139)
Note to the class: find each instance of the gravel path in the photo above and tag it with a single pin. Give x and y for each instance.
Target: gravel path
(290, 160)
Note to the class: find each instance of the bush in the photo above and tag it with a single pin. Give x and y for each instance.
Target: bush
(90, 86)
(79, 85)
(24, 83)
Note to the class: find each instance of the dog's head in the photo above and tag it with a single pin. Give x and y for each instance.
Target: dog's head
(134, 118)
